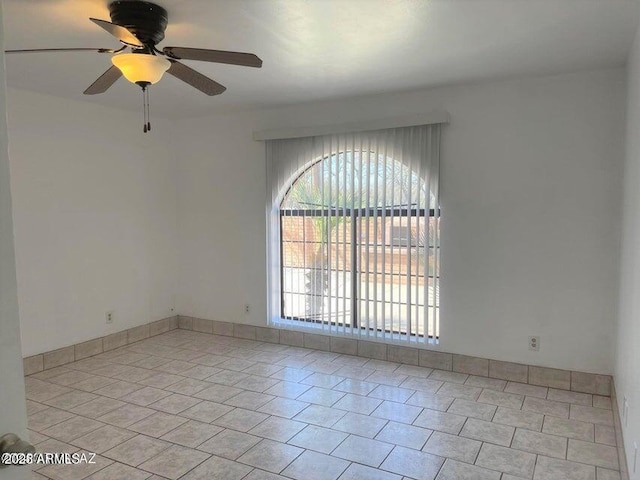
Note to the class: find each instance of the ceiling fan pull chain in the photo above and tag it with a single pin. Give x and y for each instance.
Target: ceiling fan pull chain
(148, 114)
(144, 110)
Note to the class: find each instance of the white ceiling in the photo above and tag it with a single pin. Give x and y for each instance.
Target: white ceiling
(316, 49)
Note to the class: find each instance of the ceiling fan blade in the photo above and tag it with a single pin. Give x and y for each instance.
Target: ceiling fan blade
(44, 50)
(121, 33)
(217, 56)
(195, 79)
(104, 81)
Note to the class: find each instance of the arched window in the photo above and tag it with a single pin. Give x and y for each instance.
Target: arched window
(358, 239)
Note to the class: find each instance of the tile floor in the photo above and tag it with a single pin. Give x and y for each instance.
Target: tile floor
(193, 406)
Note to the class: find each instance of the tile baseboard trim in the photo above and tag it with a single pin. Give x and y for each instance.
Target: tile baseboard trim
(410, 355)
(622, 456)
(72, 353)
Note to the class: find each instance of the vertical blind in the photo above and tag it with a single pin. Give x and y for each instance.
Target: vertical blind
(354, 233)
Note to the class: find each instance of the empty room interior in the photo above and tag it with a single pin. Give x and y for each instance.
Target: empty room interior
(320, 239)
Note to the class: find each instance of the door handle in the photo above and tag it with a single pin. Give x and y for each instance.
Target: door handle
(12, 443)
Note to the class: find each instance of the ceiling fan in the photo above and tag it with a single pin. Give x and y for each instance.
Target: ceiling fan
(140, 27)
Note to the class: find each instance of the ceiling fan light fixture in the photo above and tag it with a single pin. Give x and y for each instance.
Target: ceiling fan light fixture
(141, 68)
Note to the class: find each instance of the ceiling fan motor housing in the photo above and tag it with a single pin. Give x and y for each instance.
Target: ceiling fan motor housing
(146, 20)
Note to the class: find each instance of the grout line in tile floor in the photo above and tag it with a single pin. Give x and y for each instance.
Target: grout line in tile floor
(271, 385)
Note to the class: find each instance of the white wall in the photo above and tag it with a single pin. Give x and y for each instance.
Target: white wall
(627, 365)
(95, 217)
(531, 173)
(13, 414)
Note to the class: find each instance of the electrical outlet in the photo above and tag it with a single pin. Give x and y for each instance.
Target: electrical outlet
(247, 308)
(109, 317)
(534, 344)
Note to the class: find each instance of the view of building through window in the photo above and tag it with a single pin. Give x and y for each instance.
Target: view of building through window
(360, 246)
